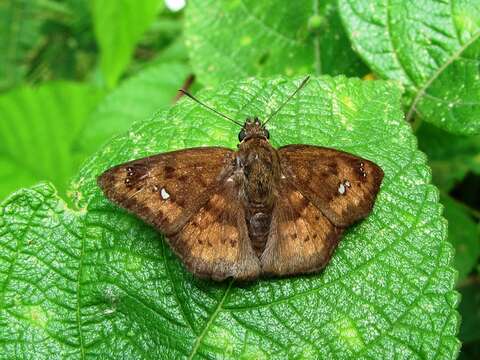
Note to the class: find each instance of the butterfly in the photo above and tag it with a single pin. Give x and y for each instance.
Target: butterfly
(257, 211)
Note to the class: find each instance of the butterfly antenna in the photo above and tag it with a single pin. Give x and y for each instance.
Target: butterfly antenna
(286, 101)
(209, 108)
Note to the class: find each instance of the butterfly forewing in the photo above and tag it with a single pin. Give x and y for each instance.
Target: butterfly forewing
(342, 186)
(165, 190)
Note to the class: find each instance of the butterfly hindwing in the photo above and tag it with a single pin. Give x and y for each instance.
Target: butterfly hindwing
(214, 243)
(341, 185)
(301, 238)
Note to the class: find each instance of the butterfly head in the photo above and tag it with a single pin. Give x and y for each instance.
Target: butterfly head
(253, 128)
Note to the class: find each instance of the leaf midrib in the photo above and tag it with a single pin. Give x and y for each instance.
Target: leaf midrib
(210, 321)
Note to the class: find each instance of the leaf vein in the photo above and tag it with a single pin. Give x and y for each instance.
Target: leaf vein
(456, 55)
(210, 321)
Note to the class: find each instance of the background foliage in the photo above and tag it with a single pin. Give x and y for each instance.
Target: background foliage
(75, 73)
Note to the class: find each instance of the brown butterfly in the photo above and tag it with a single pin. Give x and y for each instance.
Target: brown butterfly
(257, 211)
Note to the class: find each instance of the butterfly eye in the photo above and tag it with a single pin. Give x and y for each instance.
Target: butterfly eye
(266, 133)
(241, 135)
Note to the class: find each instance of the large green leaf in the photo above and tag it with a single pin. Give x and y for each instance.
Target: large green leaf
(149, 91)
(100, 283)
(463, 234)
(19, 31)
(470, 310)
(450, 156)
(119, 25)
(432, 47)
(235, 39)
(37, 129)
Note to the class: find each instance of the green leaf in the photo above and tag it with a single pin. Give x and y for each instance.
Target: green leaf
(470, 311)
(37, 128)
(450, 156)
(175, 52)
(119, 25)
(100, 283)
(433, 49)
(240, 38)
(19, 32)
(137, 98)
(463, 234)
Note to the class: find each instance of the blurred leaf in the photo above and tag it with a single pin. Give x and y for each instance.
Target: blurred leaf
(137, 98)
(37, 128)
(470, 351)
(240, 38)
(19, 32)
(162, 42)
(168, 24)
(175, 52)
(463, 234)
(54, 41)
(470, 311)
(119, 25)
(450, 156)
(432, 48)
(68, 50)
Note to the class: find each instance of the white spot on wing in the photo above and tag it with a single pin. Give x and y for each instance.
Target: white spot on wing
(341, 189)
(164, 194)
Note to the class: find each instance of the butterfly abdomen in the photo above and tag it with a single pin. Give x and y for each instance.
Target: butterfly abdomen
(258, 228)
(260, 166)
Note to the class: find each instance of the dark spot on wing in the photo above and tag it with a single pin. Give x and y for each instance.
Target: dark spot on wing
(135, 174)
(180, 202)
(360, 170)
(169, 172)
(332, 168)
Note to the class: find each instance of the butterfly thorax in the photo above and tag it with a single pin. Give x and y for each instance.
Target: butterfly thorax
(259, 164)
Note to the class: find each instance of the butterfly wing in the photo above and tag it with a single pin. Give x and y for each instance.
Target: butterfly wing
(166, 189)
(214, 243)
(343, 186)
(180, 193)
(301, 238)
(321, 191)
